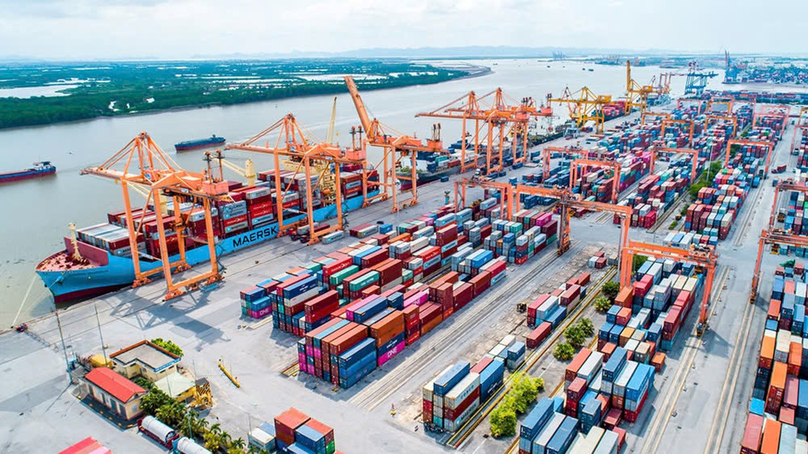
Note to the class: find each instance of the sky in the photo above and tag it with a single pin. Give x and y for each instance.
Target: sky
(76, 29)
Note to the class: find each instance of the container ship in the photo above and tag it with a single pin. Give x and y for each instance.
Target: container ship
(98, 259)
(40, 169)
(188, 145)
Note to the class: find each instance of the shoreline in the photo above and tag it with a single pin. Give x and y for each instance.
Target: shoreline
(480, 72)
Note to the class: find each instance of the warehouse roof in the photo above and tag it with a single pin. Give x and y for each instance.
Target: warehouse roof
(118, 386)
(148, 354)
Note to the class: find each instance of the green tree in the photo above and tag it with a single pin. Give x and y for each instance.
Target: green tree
(611, 290)
(236, 446)
(638, 261)
(575, 336)
(503, 421)
(167, 345)
(586, 326)
(144, 383)
(603, 304)
(171, 414)
(674, 224)
(563, 351)
(213, 437)
(154, 400)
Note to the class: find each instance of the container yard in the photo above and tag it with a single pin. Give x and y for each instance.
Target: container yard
(342, 289)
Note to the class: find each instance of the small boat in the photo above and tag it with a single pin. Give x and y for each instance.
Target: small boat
(40, 169)
(199, 143)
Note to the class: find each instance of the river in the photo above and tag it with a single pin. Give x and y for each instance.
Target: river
(37, 212)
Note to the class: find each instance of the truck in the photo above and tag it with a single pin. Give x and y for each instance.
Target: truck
(779, 169)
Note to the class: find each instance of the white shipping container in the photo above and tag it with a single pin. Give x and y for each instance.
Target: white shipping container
(591, 367)
(461, 390)
(508, 340)
(586, 443)
(541, 440)
(623, 378)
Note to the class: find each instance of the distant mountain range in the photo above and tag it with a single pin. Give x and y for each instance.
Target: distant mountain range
(407, 53)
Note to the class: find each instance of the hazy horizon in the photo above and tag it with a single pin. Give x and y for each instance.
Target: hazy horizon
(185, 29)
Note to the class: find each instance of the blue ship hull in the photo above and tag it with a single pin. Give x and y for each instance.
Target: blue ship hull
(120, 272)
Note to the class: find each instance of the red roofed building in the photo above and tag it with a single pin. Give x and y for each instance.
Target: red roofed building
(88, 445)
(116, 392)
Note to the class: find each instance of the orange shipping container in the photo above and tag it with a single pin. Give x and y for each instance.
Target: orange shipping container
(771, 437)
(766, 352)
(794, 359)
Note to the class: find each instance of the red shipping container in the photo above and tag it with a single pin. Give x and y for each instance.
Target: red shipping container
(482, 364)
(287, 422)
(577, 362)
(538, 335)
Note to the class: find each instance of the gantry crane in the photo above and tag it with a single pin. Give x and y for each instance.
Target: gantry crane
(494, 111)
(694, 154)
(566, 201)
(800, 126)
(396, 147)
(700, 104)
(155, 170)
(711, 118)
(546, 156)
(248, 172)
(505, 190)
(775, 110)
(772, 235)
(655, 115)
(704, 256)
(584, 105)
(671, 122)
(724, 100)
(331, 134)
(741, 142)
(614, 165)
(302, 152)
(636, 94)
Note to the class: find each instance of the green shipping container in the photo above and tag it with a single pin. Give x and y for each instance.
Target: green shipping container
(314, 267)
(364, 281)
(339, 276)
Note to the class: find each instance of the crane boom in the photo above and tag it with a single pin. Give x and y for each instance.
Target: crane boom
(370, 131)
(330, 135)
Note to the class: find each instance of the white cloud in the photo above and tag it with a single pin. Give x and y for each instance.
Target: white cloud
(182, 28)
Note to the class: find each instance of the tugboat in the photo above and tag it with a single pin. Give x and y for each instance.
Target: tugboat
(40, 169)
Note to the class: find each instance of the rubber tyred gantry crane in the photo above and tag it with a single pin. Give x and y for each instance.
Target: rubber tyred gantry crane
(655, 115)
(755, 143)
(694, 155)
(145, 164)
(800, 127)
(506, 194)
(547, 155)
(396, 147)
(704, 256)
(566, 201)
(614, 165)
(670, 122)
(778, 237)
(708, 119)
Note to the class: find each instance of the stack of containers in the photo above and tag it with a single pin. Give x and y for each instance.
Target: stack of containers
(780, 392)
(298, 433)
(546, 429)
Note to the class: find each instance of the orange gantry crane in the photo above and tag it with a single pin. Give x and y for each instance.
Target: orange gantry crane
(703, 256)
(670, 122)
(757, 143)
(585, 163)
(710, 118)
(566, 201)
(636, 94)
(584, 105)
(309, 156)
(775, 110)
(701, 104)
(505, 190)
(493, 111)
(772, 235)
(396, 146)
(143, 163)
(547, 154)
(694, 155)
(655, 115)
(727, 101)
(800, 126)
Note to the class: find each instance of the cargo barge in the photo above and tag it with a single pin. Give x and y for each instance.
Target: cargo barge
(189, 145)
(39, 170)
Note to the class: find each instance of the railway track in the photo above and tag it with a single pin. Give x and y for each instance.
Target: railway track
(377, 392)
(479, 416)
